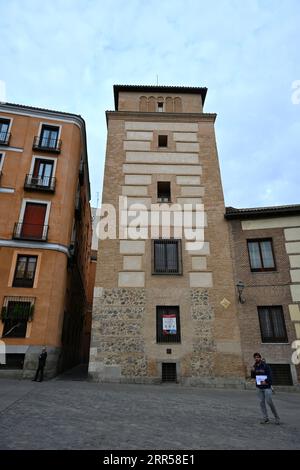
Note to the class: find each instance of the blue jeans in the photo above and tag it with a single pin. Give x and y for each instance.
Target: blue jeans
(265, 395)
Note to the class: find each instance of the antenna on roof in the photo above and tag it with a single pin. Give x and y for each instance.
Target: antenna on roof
(157, 80)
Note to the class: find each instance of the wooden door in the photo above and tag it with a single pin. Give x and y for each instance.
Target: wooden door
(33, 221)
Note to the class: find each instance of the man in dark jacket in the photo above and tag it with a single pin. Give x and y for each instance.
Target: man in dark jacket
(41, 365)
(262, 374)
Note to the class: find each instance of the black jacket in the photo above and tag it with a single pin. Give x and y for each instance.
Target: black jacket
(42, 359)
(262, 369)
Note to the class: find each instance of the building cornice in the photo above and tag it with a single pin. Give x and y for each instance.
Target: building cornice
(262, 212)
(158, 89)
(36, 245)
(31, 111)
(161, 117)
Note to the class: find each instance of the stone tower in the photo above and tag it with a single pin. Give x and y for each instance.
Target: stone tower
(165, 306)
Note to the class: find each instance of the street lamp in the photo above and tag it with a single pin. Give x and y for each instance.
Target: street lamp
(240, 287)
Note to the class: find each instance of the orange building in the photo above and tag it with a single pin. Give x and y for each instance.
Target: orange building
(45, 237)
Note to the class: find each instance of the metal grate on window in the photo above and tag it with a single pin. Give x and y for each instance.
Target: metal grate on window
(167, 256)
(169, 372)
(272, 324)
(281, 374)
(17, 308)
(13, 361)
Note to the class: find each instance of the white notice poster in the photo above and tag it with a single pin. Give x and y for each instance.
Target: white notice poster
(169, 324)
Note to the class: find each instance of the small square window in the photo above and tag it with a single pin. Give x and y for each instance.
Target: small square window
(160, 106)
(163, 141)
(164, 191)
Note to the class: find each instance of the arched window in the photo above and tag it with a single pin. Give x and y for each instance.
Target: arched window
(169, 104)
(177, 105)
(151, 104)
(143, 104)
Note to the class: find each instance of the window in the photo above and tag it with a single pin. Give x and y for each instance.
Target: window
(261, 255)
(168, 372)
(167, 324)
(14, 329)
(49, 136)
(4, 127)
(42, 172)
(163, 191)
(163, 141)
(281, 374)
(167, 257)
(13, 361)
(160, 106)
(15, 316)
(25, 271)
(272, 325)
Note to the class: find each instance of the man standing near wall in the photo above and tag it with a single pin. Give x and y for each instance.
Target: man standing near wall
(41, 365)
(261, 372)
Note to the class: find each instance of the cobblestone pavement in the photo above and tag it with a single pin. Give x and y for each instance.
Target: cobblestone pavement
(66, 414)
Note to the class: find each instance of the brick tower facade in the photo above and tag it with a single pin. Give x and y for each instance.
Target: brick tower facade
(165, 309)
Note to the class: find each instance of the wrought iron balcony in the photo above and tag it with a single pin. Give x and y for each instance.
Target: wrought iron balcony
(5, 138)
(43, 144)
(23, 231)
(40, 183)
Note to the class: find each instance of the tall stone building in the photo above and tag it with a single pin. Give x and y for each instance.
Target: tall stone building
(165, 307)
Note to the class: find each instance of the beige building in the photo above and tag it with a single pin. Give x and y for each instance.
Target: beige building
(165, 307)
(45, 237)
(266, 251)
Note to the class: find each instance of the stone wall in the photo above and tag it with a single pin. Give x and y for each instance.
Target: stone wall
(117, 345)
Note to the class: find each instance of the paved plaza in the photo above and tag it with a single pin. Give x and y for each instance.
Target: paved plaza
(74, 414)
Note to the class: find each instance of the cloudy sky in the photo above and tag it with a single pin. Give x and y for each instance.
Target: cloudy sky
(67, 54)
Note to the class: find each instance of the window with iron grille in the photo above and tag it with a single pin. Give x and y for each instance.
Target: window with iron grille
(272, 324)
(261, 255)
(167, 324)
(15, 313)
(168, 372)
(281, 374)
(14, 329)
(13, 361)
(167, 256)
(25, 271)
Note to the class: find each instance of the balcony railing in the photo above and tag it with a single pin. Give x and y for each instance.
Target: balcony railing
(23, 231)
(5, 138)
(46, 145)
(40, 183)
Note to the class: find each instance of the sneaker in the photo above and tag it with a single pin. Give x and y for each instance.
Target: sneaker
(265, 421)
(277, 421)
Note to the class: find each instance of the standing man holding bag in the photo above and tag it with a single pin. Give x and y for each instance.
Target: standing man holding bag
(262, 374)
